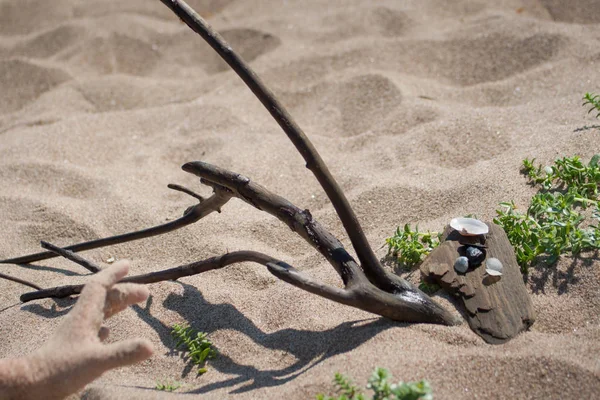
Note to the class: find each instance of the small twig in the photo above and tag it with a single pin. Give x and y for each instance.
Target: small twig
(165, 275)
(197, 212)
(291, 275)
(69, 255)
(185, 190)
(21, 281)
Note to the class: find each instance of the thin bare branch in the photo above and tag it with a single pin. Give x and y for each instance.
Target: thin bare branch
(314, 163)
(291, 275)
(164, 275)
(185, 190)
(361, 295)
(21, 281)
(69, 255)
(197, 212)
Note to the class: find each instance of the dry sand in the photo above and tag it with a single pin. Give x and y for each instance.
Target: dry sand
(422, 109)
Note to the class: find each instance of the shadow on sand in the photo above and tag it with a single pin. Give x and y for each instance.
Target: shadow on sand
(308, 347)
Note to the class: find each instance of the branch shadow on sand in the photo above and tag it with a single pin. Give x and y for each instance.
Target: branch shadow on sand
(586, 128)
(308, 347)
(561, 276)
(57, 270)
(59, 308)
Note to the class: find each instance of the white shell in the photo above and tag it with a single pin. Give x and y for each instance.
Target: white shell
(493, 267)
(469, 226)
(461, 264)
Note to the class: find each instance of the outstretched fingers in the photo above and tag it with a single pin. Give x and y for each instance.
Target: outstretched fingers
(88, 313)
(124, 353)
(122, 296)
(111, 275)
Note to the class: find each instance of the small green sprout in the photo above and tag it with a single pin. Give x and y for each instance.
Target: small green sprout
(593, 100)
(196, 343)
(564, 216)
(429, 287)
(379, 383)
(345, 388)
(167, 386)
(410, 247)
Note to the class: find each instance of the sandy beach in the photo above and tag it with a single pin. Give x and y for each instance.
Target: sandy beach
(422, 109)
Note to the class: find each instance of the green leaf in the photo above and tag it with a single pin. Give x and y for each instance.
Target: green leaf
(552, 225)
(204, 354)
(411, 246)
(199, 348)
(379, 383)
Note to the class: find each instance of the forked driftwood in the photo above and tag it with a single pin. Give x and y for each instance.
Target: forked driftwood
(368, 286)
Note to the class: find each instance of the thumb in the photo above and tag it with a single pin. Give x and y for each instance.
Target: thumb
(124, 353)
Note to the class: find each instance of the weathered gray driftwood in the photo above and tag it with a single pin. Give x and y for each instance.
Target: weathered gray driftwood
(497, 308)
(397, 300)
(367, 285)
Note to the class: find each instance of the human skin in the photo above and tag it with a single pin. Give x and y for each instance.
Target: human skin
(75, 355)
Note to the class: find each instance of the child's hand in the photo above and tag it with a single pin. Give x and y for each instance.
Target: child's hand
(75, 355)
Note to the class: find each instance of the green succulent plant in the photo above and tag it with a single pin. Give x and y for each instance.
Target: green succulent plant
(379, 384)
(593, 100)
(563, 217)
(167, 386)
(410, 246)
(196, 344)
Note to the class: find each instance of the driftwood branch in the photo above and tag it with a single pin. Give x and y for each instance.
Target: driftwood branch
(314, 163)
(361, 294)
(191, 215)
(404, 303)
(18, 280)
(297, 278)
(90, 266)
(367, 286)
